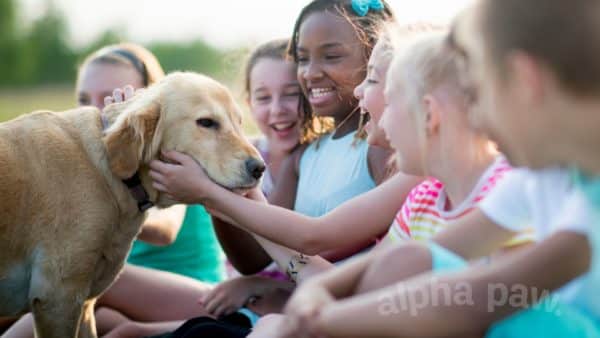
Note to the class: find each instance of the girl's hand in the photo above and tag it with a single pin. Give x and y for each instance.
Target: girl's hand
(121, 95)
(231, 295)
(256, 194)
(184, 180)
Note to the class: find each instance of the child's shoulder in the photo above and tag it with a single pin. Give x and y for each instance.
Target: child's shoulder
(294, 158)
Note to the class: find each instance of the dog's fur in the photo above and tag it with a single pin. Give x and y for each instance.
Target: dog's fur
(67, 221)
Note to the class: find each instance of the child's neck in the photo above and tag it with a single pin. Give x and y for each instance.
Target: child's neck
(346, 125)
(578, 141)
(461, 176)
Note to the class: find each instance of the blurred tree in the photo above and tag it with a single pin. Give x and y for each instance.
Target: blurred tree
(46, 43)
(9, 53)
(195, 56)
(40, 53)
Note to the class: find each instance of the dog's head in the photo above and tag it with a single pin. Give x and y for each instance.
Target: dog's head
(190, 113)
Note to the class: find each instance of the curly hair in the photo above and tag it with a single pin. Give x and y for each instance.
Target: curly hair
(367, 28)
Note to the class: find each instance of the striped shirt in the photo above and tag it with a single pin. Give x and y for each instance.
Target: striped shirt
(424, 213)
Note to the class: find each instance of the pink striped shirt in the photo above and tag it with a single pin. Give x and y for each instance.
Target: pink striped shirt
(424, 212)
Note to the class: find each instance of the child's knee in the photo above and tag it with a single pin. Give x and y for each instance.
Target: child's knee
(267, 326)
(108, 319)
(127, 329)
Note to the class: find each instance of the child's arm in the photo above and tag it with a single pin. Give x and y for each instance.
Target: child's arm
(473, 235)
(298, 266)
(546, 266)
(241, 248)
(243, 251)
(162, 225)
(365, 216)
(284, 191)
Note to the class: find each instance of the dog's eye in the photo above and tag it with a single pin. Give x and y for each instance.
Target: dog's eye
(207, 123)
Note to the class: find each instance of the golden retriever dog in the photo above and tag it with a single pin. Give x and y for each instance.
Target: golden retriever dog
(67, 219)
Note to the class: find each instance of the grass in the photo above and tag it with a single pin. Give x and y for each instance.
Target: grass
(15, 102)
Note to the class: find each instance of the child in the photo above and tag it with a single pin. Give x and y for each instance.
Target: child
(516, 73)
(273, 94)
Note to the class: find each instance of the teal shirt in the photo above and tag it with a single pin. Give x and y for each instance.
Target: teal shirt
(589, 206)
(196, 252)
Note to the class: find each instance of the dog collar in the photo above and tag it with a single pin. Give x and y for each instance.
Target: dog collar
(134, 183)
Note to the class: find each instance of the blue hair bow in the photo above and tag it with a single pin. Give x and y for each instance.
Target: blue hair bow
(362, 7)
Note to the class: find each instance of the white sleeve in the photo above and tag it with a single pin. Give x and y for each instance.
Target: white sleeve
(507, 204)
(577, 214)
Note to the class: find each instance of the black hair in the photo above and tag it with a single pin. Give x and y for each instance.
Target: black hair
(367, 28)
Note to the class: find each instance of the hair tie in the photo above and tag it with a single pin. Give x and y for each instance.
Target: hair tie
(362, 7)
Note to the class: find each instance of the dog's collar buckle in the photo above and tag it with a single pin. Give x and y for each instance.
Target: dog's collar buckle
(138, 192)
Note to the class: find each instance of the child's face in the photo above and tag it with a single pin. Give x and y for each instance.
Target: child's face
(496, 109)
(400, 128)
(331, 63)
(274, 98)
(98, 80)
(370, 95)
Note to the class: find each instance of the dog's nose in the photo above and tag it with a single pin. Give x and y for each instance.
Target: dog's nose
(255, 167)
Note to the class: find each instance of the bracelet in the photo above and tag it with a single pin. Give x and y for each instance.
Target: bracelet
(297, 262)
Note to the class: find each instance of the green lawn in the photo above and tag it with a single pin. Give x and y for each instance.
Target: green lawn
(16, 102)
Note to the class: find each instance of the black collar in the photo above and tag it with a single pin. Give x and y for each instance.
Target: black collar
(134, 183)
(138, 192)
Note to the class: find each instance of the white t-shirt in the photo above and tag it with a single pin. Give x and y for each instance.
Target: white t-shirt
(532, 199)
(546, 201)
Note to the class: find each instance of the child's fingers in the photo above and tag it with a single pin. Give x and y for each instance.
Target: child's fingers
(177, 157)
(157, 176)
(118, 95)
(209, 296)
(220, 310)
(128, 92)
(161, 167)
(108, 100)
(225, 309)
(214, 303)
(159, 187)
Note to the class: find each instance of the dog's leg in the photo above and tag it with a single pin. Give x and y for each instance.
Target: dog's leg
(57, 315)
(87, 327)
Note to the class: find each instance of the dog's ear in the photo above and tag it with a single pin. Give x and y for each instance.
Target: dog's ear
(135, 136)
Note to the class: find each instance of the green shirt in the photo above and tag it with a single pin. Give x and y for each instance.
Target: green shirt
(196, 253)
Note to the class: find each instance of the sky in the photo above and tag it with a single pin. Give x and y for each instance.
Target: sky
(222, 23)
